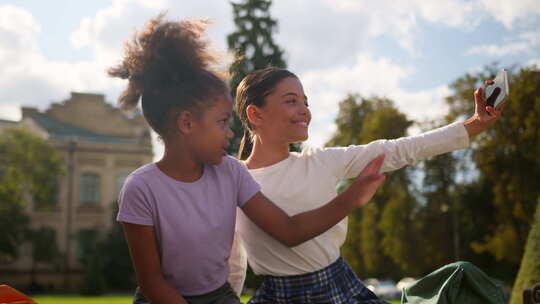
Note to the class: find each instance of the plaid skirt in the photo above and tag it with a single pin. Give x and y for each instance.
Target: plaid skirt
(336, 284)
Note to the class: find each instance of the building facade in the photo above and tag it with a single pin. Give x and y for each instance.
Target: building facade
(99, 146)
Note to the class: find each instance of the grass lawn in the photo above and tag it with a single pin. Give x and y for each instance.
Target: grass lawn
(74, 299)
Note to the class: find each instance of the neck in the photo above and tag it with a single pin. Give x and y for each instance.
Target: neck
(178, 163)
(266, 153)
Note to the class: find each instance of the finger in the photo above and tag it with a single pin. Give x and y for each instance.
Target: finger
(499, 110)
(374, 166)
(491, 111)
(380, 179)
(378, 162)
(478, 99)
(373, 182)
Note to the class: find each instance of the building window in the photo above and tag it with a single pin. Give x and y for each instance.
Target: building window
(89, 188)
(87, 239)
(120, 179)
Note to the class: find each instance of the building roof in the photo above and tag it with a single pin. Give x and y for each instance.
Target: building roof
(63, 131)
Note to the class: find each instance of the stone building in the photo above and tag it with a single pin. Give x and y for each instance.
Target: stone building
(99, 146)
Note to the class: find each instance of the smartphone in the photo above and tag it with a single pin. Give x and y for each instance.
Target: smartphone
(497, 93)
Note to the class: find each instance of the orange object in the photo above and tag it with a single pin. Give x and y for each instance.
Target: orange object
(9, 295)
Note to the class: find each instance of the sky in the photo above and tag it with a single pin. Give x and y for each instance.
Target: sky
(409, 51)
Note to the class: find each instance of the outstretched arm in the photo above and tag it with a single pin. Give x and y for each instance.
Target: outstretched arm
(294, 230)
(346, 162)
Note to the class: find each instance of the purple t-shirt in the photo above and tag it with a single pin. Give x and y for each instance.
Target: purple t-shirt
(194, 222)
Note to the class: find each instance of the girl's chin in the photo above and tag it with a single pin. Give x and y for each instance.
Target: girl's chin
(298, 139)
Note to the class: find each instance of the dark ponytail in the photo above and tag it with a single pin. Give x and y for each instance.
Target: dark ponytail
(168, 68)
(246, 145)
(252, 90)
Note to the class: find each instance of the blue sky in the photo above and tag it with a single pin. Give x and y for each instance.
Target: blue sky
(408, 51)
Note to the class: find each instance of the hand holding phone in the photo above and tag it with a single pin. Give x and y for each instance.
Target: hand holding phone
(496, 93)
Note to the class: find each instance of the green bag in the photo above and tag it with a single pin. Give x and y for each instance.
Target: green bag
(456, 283)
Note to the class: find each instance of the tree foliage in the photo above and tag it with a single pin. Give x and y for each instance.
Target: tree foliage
(29, 170)
(529, 272)
(255, 47)
(506, 157)
(44, 250)
(374, 233)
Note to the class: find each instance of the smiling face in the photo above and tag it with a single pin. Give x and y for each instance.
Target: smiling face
(211, 132)
(285, 116)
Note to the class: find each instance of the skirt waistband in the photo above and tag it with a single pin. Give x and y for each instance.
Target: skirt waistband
(322, 276)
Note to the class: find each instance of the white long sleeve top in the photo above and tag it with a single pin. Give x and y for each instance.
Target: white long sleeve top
(308, 180)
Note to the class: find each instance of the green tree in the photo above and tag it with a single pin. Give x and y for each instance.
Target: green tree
(506, 158)
(30, 168)
(254, 45)
(13, 222)
(94, 282)
(349, 121)
(376, 227)
(44, 250)
(92, 260)
(114, 251)
(437, 218)
(529, 272)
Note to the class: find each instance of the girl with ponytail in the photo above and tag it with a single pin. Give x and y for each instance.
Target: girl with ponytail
(179, 213)
(274, 110)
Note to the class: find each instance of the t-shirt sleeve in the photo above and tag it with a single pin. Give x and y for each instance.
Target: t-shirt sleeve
(348, 162)
(135, 206)
(246, 185)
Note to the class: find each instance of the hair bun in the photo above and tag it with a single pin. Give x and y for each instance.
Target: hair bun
(164, 54)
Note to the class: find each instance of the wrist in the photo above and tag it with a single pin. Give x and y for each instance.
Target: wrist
(473, 125)
(350, 197)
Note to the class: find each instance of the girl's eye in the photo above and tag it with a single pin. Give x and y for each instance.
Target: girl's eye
(291, 101)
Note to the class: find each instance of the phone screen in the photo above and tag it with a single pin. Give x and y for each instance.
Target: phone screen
(497, 93)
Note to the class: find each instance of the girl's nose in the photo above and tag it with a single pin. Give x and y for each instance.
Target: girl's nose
(305, 110)
(230, 133)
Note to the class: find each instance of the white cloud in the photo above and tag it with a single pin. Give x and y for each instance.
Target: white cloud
(532, 37)
(106, 31)
(534, 62)
(10, 112)
(367, 76)
(452, 13)
(18, 28)
(401, 19)
(110, 27)
(509, 12)
(27, 77)
(498, 50)
(525, 42)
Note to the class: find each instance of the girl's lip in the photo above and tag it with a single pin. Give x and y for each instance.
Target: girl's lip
(302, 123)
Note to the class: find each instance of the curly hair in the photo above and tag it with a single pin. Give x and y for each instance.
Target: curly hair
(168, 66)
